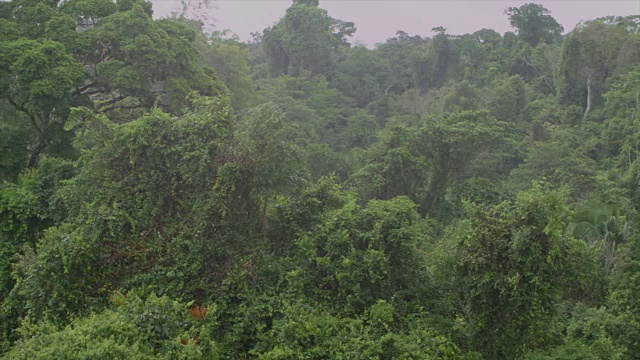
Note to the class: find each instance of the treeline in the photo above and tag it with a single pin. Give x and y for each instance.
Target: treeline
(171, 193)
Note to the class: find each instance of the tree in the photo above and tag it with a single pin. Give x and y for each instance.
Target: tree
(562, 160)
(454, 142)
(422, 163)
(264, 137)
(363, 75)
(88, 13)
(124, 217)
(361, 130)
(459, 97)
(545, 60)
(15, 135)
(370, 254)
(153, 326)
(317, 112)
(510, 259)
(111, 57)
(230, 59)
(395, 165)
(399, 54)
(589, 58)
(622, 301)
(534, 24)
(488, 37)
(37, 79)
(603, 228)
(508, 100)
(27, 209)
(277, 58)
(621, 137)
(304, 331)
(431, 63)
(134, 61)
(305, 39)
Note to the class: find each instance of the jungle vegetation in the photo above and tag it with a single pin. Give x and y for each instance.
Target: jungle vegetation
(172, 192)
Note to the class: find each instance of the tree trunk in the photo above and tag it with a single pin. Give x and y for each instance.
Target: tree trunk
(586, 111)
(263, 221)
(439, 182)
(42, 143)
(34, 154)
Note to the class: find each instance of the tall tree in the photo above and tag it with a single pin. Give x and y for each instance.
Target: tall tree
(401, 53)
(589, 58)
(37, 79)
(305, 39)
(230, 59)
(363, 75)
(454, 142)
(112, 57)
(534, 23)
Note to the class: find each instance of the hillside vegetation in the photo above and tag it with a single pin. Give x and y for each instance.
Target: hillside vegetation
(167, 192)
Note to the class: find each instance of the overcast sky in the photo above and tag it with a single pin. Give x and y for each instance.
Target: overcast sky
(378, 20)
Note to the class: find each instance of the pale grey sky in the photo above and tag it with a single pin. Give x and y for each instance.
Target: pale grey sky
(378, 20)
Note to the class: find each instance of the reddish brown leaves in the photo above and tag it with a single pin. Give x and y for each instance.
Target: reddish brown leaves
(198, 312)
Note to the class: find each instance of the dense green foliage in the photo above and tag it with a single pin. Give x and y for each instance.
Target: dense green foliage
(166, 192)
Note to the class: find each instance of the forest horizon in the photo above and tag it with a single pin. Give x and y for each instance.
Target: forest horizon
(379, 20)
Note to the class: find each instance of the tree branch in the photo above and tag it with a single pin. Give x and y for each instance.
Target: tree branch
(15, 105)
(124, 107)
(524, 58)
(110, 102)
(32, 119)
(34, 122)
(35, 153)
(84, 88)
